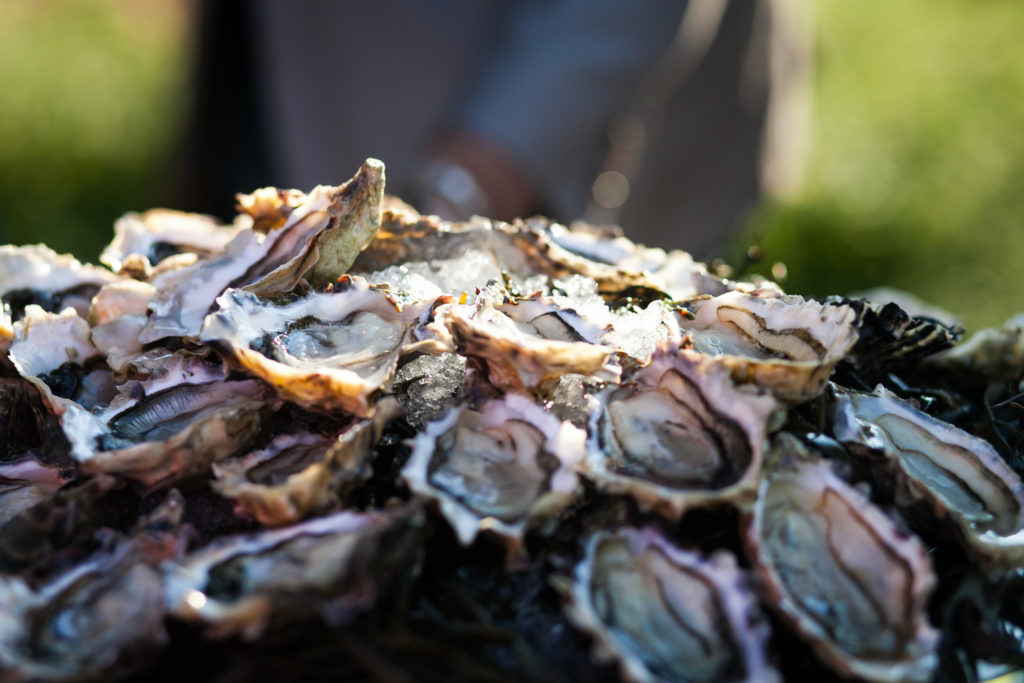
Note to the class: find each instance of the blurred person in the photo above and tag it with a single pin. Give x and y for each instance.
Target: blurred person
(489, 107)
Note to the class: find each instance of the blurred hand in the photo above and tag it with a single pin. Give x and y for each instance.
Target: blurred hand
(468, 176)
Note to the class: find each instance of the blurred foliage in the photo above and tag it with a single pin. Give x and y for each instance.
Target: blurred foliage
(89, 111)
(917, 161)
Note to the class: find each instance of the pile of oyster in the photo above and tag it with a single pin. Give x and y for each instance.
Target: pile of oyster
(338, 439)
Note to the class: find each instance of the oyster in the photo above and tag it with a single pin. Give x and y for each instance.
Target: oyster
(522, 251)
(332, 566)
(679, 434)
(887, 334)
(496, 468)
(786, 344)
(144, 240)
(81, 623)
(523, 347)
(59, 524)
(34, 458)
(317, 241)
(38, 275)
(961, 475)
(297, 474)
(170, 426)
(666, 613)
(117, 316)
(328, 351)
(674, 272)
(54, 352)
(840, 572)
(576, 312)
(996, 353)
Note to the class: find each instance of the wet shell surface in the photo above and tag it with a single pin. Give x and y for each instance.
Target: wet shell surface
(679, 434)
(328, 351)
(786, 344)
(960, 474)
(496, 468)
(668, 614)
(840, 572)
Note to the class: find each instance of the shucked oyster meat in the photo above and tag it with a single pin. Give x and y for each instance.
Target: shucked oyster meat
(960, 474)
(668, 614)
(679, 434)
(840, 572)
(496, 468)
(328, 351)
(786, 344)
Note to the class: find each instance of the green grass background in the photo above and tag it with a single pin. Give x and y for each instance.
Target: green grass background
(916, 176)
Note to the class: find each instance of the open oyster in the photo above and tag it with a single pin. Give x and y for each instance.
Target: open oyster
(297, 474)
(144, 240)
(328, 351)
(54, 352)
(38, 275)
(333, 566)
(679, 434)
(81, 623)
(666, 613)
(523, 346)
(674, 272)
(786, 344)
(496, 468)
(840, 572)
(520, 250)
(171, 425)
(317, 242)
(961, 475)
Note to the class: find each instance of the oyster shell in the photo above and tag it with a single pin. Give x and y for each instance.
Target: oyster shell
(328, 351)
(523, 347)
(332, 566)
(54, 351)
(674, 272)
(666, 613)
(786, 344)
(679, 434)
(170, 426)
(888, 334)
(317, 241)
(81, 623)
(996, 353)
(961, 475)
(34, 459)
(496, 468)
(38, 275)
(144, 240)
(840, 572)
(297, 474)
